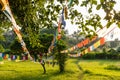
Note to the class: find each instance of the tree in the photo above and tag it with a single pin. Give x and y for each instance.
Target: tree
(60, 57)
(33, 15)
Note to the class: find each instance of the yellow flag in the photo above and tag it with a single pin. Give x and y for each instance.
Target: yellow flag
(97, 44)
(18, 57)
(86, 51)
(4, 3)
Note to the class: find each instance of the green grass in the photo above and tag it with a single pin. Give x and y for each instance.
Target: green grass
(98, 69)
(75, 70)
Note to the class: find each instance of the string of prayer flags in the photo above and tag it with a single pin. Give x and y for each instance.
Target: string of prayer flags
(65, 12)
(63, 20)
(6, 10)
(53, 43)
(57, 35)
(91, 48)
(79, 45)
(4, 3)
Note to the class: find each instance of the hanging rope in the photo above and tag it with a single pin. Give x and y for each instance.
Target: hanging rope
(94, 46)
(6, 10)
(61, 25)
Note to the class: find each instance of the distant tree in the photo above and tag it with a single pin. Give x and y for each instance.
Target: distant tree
(15, 47)
(118, 49)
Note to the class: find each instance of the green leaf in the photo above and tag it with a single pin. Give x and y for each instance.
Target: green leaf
(90, 10)
(118, 24)
(109, 24)
(94, 2)
(101, 1)
(98, 7)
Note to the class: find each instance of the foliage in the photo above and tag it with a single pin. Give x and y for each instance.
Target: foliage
(101, 55)
(118, 49)
(1, 48)
(42, 44)
(34, 15)
(45, 40)
(24, 12)
(15, 47)
(9, 37)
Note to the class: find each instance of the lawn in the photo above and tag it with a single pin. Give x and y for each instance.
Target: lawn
(75, 70)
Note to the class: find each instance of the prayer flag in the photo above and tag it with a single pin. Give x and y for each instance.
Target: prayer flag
(0, 54)
(3, 55)
(102, 41)
(7, 56)
(86, 51)
(8, 13)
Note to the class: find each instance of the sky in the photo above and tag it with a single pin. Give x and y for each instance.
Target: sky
(71, 28)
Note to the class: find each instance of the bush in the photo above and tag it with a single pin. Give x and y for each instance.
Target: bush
(89, 56)
(97, 55)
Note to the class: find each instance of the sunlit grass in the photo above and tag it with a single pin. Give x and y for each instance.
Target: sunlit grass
(96, 70)
(75, 69)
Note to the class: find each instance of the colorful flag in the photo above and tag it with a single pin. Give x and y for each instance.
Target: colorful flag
(92, 48)
(4, 3)
(7, 56)
(102, 41)
(86, 51)
(13, 58)
(3, 55)
(8, 13)
(18, 57)
(97, 44)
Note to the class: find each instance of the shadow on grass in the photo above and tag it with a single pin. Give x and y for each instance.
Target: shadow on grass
(81, 73)
(41, 76)
(92, 74)
(37, 75)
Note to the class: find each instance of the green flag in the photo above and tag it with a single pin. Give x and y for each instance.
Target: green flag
(1, 58)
